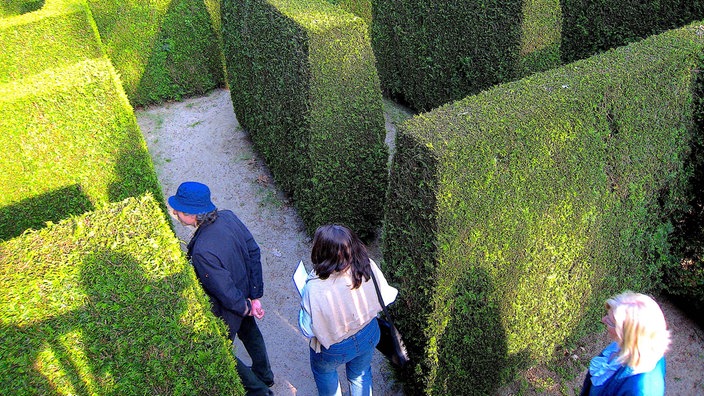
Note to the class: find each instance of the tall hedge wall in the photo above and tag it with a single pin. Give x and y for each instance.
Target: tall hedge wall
(162, 49)
(304, 86)
(70, 140)
(106, 304)
(512, 214)
(430, 53)
(590, 27)
(61, 34)
(18, 7)
(684, 276)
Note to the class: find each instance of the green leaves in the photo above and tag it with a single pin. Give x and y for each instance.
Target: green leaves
(102, 318)
(518, 210)
(322, 132)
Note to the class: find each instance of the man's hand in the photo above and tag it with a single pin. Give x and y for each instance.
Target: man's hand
(257, 310)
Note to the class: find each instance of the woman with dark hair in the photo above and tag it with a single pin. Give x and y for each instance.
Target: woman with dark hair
(339, 305)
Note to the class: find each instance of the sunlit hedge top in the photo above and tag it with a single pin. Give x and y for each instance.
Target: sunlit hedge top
(106, 304)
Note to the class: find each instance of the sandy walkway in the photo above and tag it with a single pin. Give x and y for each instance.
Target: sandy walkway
(199, 139)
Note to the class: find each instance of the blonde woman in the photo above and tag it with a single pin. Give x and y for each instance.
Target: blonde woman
(634, 363)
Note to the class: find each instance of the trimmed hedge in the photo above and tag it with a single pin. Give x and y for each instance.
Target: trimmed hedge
(430, 53)
(511, 215)
(590, 27)
(18, 7)
(304, 86)
(361, 8)
(61, 34)
(162, 49)
(684, 276)
(106, 304)
(70, 140)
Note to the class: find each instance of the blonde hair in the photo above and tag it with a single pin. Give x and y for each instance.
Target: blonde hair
(641, 329)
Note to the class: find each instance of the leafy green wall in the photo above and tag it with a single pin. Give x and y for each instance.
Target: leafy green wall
(18, 7)
(304, 86)
(106, 304)
(164, 49)
(430, 53)
(511, 215)
(361, 8)
(590, 27)
(70, 140)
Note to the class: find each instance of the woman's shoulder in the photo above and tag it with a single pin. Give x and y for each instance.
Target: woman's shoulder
(649, 383)
(374, 265)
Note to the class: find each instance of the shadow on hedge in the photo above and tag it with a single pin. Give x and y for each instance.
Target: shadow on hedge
(104, 344)
(35, 212)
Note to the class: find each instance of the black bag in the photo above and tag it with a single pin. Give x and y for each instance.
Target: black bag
(390, 343)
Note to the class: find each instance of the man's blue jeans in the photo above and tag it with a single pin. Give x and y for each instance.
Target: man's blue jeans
(356, 353)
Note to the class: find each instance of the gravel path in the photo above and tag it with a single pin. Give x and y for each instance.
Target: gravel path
(199, 139)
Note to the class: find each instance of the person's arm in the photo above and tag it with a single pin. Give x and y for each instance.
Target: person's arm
(217, 282)
(254, 267)
(305, 323)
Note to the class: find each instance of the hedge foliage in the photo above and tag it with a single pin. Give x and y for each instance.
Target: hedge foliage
(27, 49)
(361, 8)
(590, 27)
(511, 215)
(70, 141)
(18, 7)
(430, 53)
(106, 304)
(684, 276)
(162, 49)
(304, 86)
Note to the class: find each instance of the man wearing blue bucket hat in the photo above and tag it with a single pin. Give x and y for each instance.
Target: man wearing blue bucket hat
(226, 259)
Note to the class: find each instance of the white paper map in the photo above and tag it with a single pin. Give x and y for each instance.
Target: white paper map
(300, 276)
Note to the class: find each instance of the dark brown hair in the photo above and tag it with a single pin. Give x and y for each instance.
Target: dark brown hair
(336, 248)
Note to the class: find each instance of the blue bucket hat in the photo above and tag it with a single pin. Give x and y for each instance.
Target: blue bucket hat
(192, 198)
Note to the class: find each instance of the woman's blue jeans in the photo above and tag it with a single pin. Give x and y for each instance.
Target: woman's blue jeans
(356, 353)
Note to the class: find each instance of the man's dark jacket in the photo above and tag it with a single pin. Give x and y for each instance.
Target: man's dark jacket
(227, 261)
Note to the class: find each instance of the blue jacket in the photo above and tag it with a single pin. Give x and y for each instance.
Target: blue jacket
(227, 261)
(625, 383)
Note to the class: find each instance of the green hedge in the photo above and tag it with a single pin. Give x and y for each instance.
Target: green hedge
(162, 49)
(590, 27)
(18, 7)
(70, 140)
(361, 8)
(61, 34)
(106, 304)
(431, 53)
(304, 86)
(512, 214)
(684, 276)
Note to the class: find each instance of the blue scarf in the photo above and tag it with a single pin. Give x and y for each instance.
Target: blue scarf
(602, 367)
